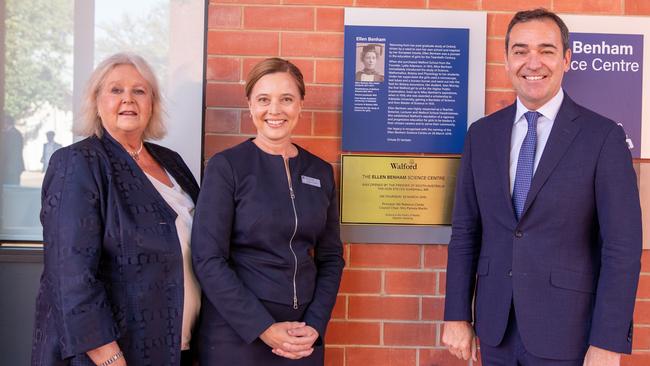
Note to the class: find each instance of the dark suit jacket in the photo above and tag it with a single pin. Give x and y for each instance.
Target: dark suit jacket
(11, 156)
(243, 237)
(571, 264)
(113, 263)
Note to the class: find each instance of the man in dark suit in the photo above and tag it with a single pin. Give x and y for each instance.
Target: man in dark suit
(546, 231)
(11, 153)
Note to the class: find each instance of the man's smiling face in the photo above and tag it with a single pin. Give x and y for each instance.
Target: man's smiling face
(535, 61)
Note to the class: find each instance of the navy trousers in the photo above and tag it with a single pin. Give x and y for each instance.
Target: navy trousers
(511, 351)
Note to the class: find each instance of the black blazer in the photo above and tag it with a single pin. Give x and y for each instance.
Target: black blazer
(113, 263)
(240, 240)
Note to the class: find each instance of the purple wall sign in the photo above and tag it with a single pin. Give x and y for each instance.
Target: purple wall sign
(606, 75)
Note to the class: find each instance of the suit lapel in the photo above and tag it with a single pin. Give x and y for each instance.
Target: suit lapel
(562, 134)
(501, 139)
(136, 176)
(173, 167)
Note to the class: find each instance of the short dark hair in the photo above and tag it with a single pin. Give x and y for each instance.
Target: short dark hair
(539, 14)
(367, 49)
(271, 66)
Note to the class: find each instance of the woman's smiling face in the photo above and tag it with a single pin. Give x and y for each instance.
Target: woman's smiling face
(124, 101)
(275, 104)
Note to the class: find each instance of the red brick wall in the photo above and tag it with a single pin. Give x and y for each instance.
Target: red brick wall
(389, 309)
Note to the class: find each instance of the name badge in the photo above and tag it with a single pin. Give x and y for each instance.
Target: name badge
(311, 181)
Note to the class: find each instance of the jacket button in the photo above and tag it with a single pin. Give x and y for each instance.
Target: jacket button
(509, 273)
(519, 234)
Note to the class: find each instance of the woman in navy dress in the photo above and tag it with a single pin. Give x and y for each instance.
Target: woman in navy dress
(265, 242)
(117, 286)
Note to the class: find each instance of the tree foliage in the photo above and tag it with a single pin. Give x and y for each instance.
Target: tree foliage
(145, 34)
(39, 50)
(39, 41)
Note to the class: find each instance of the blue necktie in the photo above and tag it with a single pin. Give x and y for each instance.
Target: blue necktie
(525, 164)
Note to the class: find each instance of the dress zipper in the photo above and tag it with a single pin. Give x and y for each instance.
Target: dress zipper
(295, 229)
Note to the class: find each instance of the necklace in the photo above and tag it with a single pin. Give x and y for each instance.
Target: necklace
(136, 154)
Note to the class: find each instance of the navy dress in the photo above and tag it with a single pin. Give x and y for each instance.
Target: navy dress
(262, 254)
(113, 266)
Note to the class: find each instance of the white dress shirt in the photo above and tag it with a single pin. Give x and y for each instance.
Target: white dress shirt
(544, 124)
(183, 205)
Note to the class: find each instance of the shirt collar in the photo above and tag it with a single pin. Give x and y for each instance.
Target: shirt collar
(548, 110)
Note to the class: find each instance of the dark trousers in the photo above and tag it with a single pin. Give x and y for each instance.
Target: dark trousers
(186, 358)
(511, 351)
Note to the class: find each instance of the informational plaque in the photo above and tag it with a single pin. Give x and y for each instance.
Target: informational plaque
(397, 190)
(413, 81)
(418, 103)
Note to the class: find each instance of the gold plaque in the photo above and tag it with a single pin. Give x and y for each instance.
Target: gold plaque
(397, 190)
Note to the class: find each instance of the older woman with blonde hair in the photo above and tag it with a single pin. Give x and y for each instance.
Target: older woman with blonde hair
(117, 286)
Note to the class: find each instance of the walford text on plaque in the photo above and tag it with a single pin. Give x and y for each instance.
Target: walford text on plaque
(397, 190)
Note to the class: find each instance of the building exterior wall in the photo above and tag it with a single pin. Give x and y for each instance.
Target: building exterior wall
(390, 305)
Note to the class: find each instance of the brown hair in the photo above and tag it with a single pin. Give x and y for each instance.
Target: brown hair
(89, 122)
(271, 66)
(539, 14)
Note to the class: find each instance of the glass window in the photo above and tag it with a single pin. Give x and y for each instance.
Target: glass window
(137, 26)
(45, 69)
(37, 106)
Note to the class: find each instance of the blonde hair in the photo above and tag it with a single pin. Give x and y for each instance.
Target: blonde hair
(89, 122)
